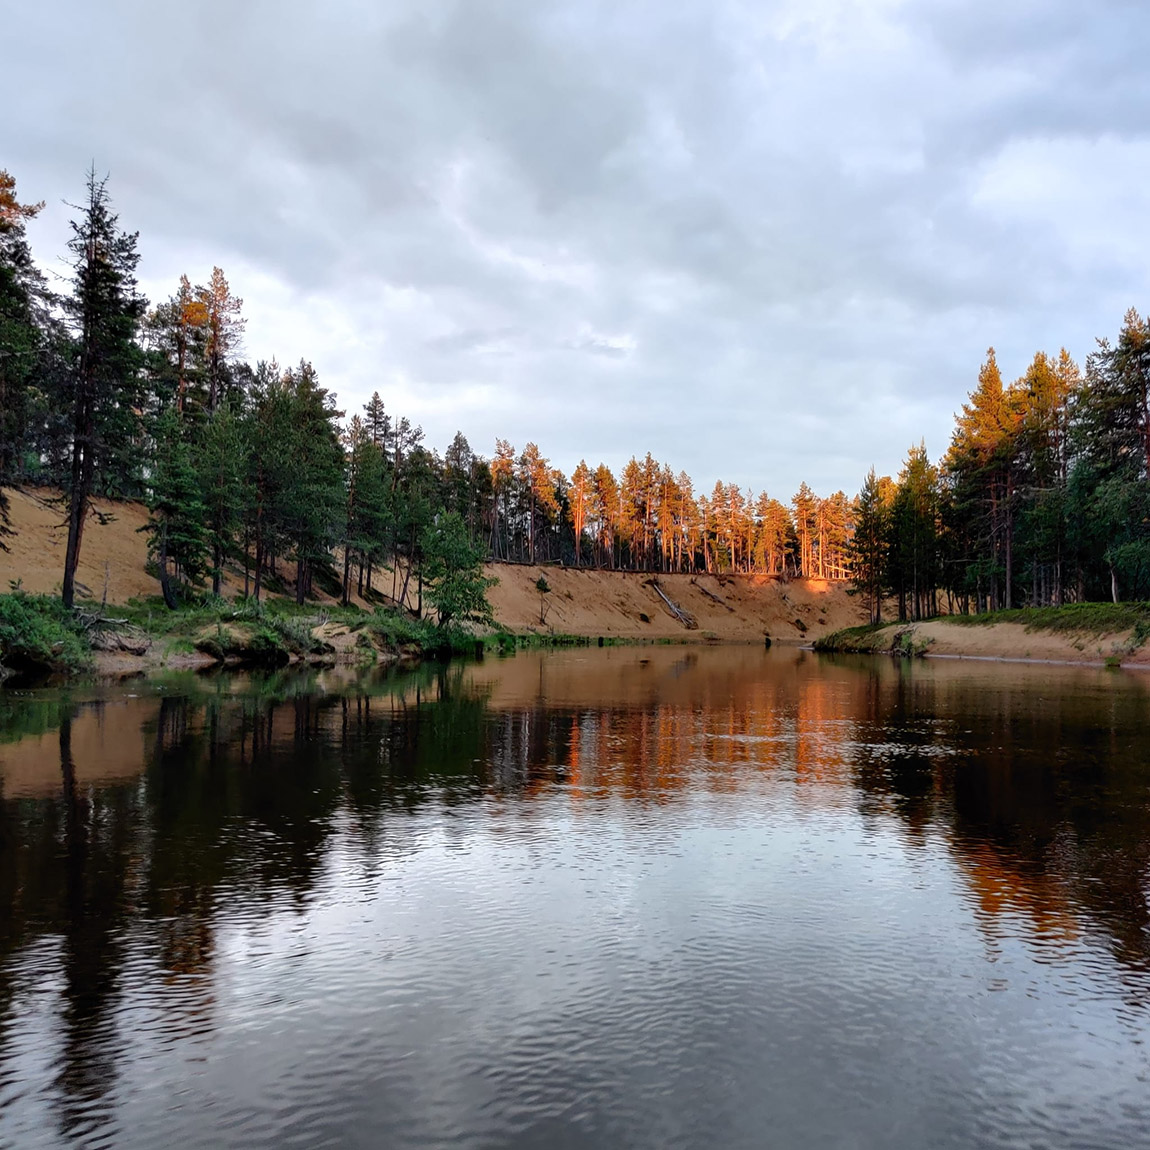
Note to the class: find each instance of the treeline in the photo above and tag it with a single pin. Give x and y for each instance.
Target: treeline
(1042, 498)
(255, 468)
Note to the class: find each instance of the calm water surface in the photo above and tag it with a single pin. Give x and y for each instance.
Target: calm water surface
(636, 897)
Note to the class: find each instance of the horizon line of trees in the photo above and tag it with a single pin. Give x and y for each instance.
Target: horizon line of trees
(1043, 496)
(254, 466)
(1041, 499)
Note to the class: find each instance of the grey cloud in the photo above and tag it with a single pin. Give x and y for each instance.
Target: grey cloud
(779, 237)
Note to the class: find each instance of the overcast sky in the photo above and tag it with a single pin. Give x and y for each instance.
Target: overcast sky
(767, 241)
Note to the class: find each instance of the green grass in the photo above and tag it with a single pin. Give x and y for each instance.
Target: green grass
(1091, 619)
(1074, 618)
(283, 625)
(38, 633)
(874, 638)
(855, 639)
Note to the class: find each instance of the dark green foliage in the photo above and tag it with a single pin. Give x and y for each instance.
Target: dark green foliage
(312, 501)
(23, 320)
(369, 505)
(1044, 495)
(870, 545)
(178, 537)
(1074, 618)
(913, 523)
(37, 632)
(104, 386)
(221, 472)
(453, 572)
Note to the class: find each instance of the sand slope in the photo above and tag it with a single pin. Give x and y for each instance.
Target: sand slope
(1014, 641)
(593, 603)
(114, 548)
(613, 603)
(1004, 641)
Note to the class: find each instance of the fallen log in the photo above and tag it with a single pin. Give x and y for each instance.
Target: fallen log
(685, 617)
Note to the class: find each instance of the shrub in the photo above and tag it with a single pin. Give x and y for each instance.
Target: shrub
(38, 633)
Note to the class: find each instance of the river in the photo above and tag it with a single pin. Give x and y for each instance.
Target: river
(640, 897)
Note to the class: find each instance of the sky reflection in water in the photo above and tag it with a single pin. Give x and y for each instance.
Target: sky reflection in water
(653, 896)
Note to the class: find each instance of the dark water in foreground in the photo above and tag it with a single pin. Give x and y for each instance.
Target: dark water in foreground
(644, 898)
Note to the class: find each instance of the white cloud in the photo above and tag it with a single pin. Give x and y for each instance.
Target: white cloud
(766, 241)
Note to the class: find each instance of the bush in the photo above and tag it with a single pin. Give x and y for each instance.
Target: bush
(38, 633)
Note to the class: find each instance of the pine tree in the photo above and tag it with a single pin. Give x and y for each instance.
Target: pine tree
(502, 475)
(376, 421)
(535, 476)
(458, 467)
(177, 513)
(913, 521)
(368, 504)
(104, 388)
(22, 292)
(604, 511)
(223, 326)
(870, 545)
(453, 572)
(1110, 487)
(581, 482)
(176, 332)
(222, 469)
(982, 462)
(312, 505)
(805, 504)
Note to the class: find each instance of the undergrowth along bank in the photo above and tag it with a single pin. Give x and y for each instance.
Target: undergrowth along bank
(1074, 619)
(39, 635)
(874, 639)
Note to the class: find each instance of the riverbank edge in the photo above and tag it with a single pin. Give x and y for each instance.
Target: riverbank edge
(39, 637)
(1100, 635)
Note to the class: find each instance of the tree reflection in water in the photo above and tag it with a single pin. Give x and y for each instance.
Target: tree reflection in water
(133, 817)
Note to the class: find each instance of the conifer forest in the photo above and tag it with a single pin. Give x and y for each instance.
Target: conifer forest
(1041, 498)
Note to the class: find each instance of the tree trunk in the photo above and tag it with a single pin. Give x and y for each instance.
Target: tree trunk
(170, 600)
(83, 468)
(403, 590)
(1009, 543)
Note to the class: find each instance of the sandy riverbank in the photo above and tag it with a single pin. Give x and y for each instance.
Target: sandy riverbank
(619, 605)
(627, 605)
(1002, 641)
